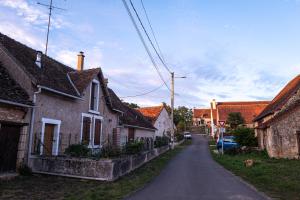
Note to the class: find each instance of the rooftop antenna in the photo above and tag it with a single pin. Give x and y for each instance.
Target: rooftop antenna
(50, 7)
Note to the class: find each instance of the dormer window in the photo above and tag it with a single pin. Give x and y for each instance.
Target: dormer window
(94, 97)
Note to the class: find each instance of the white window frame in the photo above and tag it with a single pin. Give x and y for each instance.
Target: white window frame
(98, 94)
(91, 126)
(93, 131)
(57, 124)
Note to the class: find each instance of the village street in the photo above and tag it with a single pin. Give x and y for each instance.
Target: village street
(193, 174)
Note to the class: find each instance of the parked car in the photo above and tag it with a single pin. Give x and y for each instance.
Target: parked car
(229, 143)
(187, 135)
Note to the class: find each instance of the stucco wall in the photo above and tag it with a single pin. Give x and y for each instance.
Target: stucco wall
(139, 133)
(163, 124)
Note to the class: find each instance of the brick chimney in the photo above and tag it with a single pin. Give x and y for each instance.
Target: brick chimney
(80, 61)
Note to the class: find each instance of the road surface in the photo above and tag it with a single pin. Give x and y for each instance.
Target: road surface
(192, 175)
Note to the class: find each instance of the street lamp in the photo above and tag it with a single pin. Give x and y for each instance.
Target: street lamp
(172, 105)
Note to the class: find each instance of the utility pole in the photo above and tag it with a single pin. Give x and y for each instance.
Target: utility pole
(172, 109)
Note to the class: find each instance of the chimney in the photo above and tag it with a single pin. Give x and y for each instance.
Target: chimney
(213, 104)
(38, 60)
(106, 81)
(80, 61)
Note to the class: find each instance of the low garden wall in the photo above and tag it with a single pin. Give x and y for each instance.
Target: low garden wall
(86, 168)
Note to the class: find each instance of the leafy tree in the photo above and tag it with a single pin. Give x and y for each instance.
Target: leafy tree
(235, 119)
(131, 105)
(183, 117)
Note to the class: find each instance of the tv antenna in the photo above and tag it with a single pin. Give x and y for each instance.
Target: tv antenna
(50, 7)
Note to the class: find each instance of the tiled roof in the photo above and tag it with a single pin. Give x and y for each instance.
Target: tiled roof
(10, 90)
(204, 113)
(82, 79)
(130, 116)
(152, 113)
(249, 110)
(52, 74)
(281, 99)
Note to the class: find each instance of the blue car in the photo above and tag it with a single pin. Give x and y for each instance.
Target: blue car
(229, 143)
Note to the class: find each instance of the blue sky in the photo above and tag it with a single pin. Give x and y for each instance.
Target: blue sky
(230, 50)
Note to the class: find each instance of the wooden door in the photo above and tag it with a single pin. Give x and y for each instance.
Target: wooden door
(130, 134)
(9, 141)
(48, 139)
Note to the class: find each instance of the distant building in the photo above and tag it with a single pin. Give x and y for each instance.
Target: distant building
(278, 126)
(160, 119)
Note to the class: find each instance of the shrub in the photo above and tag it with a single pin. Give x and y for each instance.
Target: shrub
(78, 150)
(161, 141)
(134, 147)
(24, 170)
(110, 151)
(245, 137)
(179, 137)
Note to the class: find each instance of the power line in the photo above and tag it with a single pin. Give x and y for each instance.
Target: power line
(152, 31)
(137, 15)
(144, 44)
(145, 93)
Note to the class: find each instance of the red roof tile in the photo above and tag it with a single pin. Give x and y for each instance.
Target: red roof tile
(281, 99)
(249, 110)
(152, 113)
(203, 113)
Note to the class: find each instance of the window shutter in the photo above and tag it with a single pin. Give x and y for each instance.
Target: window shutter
(86, 128)
(97, 134)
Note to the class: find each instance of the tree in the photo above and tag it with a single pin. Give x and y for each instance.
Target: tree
(183, 117)
(245, 137)
(131, 105)
(235, 119)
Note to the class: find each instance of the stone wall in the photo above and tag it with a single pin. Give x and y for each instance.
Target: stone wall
(281, 137)
(85, 168)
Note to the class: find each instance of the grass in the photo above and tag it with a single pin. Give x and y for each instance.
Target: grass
(54, 187)
(278, 178)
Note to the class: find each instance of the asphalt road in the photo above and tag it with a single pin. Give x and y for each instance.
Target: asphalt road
(193, 174)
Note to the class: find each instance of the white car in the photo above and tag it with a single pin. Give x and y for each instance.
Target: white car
(187, 135)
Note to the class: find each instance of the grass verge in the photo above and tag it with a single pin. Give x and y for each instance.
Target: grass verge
(278, 178)
(54, 187)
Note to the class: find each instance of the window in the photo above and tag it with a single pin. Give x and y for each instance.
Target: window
(94, 98)
(91, 130)
(86, 130)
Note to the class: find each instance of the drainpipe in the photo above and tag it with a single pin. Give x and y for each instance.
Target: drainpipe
(32, 123)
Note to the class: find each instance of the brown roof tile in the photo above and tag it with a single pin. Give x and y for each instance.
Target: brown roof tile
(152, 113)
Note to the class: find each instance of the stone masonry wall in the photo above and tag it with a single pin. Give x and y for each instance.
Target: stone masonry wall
(281, 138)
(103, 169)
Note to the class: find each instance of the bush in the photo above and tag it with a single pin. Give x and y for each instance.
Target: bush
(245, 137)
(161, 141)
(109, 152)
(134, 147)
(24, 170)
(78, 150)
(179, 137)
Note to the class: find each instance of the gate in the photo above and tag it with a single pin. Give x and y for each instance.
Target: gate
(9, 140)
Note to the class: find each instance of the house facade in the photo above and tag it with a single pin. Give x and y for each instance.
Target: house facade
(277, 127)
(14, 106)
(68, 106)
(160, 119)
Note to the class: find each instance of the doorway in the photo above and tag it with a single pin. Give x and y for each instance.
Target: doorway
(50, 137)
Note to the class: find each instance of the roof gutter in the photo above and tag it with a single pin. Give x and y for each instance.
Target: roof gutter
(118, 110)
(58, 92)
(139, 127)
(15, 104)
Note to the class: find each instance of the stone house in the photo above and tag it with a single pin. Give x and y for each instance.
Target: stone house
(160, 119)
(69, 106)
(14, 105)
(277, 126)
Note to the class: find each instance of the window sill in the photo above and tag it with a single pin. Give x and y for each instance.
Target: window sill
(94, 112)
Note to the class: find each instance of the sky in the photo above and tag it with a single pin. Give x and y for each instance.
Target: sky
(229, 50)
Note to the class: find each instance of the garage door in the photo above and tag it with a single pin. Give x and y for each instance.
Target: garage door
(9, 140)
